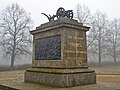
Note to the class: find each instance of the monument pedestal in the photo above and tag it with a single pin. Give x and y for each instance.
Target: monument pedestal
(60, 55)
(60, 77)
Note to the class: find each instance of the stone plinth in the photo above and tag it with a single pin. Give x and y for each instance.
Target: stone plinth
(60, 55)
(61, 77)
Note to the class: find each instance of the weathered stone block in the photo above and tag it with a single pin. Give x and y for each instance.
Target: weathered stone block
(63, 78)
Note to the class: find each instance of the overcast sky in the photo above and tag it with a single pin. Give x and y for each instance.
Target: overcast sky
(36, 7)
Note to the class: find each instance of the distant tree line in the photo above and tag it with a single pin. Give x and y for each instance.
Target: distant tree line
(103, 39)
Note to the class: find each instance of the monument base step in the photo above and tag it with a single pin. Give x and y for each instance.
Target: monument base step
(20, 85)
(60, 77)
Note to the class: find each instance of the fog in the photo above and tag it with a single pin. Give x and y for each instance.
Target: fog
(5, 61)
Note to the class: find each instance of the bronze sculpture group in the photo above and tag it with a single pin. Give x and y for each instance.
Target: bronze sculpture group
(60, 14)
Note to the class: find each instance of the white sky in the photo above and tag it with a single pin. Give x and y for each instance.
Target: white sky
(36, 7)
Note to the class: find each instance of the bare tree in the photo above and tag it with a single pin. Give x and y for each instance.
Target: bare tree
(15, 24)
(97, 33)
(112, 39)
(82, 13)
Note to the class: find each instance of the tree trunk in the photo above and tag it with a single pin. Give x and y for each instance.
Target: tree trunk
(12, 59)
(14, 46)
(99, 47)
(13, 52)
(115, 59)
(99, 54)
(114, 53)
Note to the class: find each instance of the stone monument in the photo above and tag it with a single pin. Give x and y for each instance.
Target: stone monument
(60, 54)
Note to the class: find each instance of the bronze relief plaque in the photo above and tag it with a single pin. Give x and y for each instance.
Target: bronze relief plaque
(48, 48)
